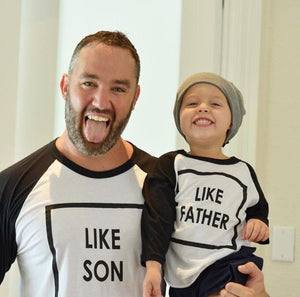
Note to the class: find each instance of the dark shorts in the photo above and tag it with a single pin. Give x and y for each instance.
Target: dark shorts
(215, 277)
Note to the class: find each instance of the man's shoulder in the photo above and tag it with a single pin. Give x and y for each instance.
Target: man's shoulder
(143, 159)
(31, 165)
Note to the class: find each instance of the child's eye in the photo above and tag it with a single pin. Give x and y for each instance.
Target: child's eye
(191, 104)
(216, 103)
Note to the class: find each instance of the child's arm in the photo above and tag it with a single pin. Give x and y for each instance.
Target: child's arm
(152, 281)
(255, 231)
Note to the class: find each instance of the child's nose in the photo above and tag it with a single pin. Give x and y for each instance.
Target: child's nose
(203, 107)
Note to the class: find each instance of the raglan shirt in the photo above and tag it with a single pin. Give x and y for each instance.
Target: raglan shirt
(195, 211)
(73, 231)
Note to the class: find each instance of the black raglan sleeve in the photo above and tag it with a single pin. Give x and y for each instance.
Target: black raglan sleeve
(260, 210)
(160, 210)
(16, 183)
(8, 248)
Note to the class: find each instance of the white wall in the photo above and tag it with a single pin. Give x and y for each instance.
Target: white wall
(28, 49)
(39, 37)
(9, 52)
(225, 38)
(36, 75)
(279, 136)
(154, 29)
(8, 78)
(200, 47)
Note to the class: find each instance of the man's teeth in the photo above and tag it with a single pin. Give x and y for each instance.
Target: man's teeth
(97, 118)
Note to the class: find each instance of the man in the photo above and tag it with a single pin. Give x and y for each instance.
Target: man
(70, 212)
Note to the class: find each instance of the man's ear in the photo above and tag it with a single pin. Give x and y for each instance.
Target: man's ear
(64, 84)
(136, 97)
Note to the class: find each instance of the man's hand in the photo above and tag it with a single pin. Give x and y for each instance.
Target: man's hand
(254, 287)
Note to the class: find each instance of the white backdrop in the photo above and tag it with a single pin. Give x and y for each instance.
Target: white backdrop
(154, 29)
(166, 58)
(152, 26)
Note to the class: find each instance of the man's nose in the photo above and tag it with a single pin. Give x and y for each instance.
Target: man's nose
(102, 98)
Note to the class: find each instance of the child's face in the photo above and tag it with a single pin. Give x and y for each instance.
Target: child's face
(205, 115)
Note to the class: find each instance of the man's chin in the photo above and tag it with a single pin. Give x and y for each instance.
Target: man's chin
(93, 149)
(96, 149)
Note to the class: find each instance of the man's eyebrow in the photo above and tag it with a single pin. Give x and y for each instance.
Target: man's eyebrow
(88, 75)
(124, 82)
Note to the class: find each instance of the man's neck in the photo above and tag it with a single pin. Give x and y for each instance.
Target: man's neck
(115, 157)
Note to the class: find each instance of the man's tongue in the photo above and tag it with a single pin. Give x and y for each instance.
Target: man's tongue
(95, 131)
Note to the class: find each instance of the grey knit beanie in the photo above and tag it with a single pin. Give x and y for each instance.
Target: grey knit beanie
(231, 92)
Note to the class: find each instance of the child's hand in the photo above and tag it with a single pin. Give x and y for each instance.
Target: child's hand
(255, 231)
(152, 281)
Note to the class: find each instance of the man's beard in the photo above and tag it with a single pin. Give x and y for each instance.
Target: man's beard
(74, 122)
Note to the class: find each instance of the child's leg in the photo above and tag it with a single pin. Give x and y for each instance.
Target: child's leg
(191, 291)
(214, 278)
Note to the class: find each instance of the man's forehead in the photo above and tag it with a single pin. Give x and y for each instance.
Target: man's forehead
(113, 56)
(83, 72)
(106, 62)
(104, 49)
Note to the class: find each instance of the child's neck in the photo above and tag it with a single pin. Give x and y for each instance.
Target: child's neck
(208, 153)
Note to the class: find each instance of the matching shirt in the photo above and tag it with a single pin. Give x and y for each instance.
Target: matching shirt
(196, 209)
(74, 232)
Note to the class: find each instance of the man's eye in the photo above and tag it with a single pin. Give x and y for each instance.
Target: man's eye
(88, 84)
(119, 90)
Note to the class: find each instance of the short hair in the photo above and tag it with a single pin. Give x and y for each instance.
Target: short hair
(111, 38)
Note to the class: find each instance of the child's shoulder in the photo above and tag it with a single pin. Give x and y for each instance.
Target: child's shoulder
(171, 154)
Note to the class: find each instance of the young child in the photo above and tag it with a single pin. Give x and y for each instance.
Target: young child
(202, 208)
